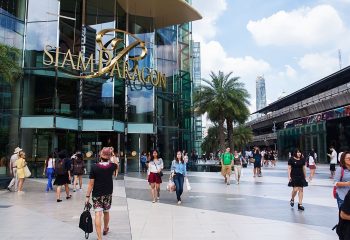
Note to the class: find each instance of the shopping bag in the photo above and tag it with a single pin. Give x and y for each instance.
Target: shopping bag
(171, 185)
(27, 172)
(85, 222)
(188, 186)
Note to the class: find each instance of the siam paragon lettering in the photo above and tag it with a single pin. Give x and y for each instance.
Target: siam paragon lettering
(114, 59)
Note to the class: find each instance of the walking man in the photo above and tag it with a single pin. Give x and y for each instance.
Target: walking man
(333, 162)
(226, 165)
(13, 170)
(101, 187)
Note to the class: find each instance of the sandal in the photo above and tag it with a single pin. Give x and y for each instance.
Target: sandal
(291, 203)
(68, 197)
(105, 231)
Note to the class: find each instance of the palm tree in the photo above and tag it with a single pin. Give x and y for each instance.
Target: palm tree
(222, 97)
(210, 142)
(242, 135)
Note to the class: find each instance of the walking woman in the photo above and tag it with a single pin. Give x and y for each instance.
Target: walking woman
(312, 166)
(342, 178)
(297, 177)
(178, 172)
(21, 163)
(257, 162)
(78, 170)
(49, 171)
(237, 165)
(63, 175)
(154, 178)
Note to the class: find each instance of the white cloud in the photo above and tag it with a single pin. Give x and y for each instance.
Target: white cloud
(214, 58)
(306, 26)
(319, 64)
(205, 29)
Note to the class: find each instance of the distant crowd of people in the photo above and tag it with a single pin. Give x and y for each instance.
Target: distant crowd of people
(62, 170)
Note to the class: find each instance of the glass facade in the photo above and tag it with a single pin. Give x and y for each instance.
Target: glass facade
(49, 108)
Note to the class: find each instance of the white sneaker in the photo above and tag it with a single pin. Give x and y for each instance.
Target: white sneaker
(179, 202)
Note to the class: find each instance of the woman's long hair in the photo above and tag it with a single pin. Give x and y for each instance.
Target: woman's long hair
(295, 153)
(181, 159)
(155, 150)
(342, 159)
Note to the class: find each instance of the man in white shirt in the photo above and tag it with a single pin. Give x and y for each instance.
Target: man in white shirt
(13, 170)
(333, 162)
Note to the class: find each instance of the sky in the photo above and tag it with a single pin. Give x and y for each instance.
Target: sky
(292, 43)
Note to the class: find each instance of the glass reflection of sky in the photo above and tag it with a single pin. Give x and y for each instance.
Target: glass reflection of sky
(142, 99)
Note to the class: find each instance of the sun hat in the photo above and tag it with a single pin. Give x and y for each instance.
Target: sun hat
(17, 150)
(106, 153)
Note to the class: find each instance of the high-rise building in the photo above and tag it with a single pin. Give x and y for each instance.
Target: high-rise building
(260, 93)
(97, 73)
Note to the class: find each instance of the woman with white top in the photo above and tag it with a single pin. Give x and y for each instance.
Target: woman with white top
(342, 178)
(237, 165)
(178, 172)
(312, 166)
(155, 167)
(49, 171)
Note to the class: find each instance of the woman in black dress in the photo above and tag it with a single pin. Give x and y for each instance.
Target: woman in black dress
(297, 177)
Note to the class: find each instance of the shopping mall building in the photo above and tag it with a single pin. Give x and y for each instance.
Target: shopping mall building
(314, 117)
(98, 73)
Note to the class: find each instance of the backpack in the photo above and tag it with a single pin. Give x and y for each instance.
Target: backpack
(335, 187)
(78, 167)
(85, 222)
(60, 168)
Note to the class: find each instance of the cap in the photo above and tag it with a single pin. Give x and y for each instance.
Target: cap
(17, 150)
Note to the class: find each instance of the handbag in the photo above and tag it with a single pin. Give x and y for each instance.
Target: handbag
(335, 187)
(85, 222)
(171, 187)
(27, 172)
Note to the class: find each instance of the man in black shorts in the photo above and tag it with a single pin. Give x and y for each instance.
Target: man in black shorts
(101, 186)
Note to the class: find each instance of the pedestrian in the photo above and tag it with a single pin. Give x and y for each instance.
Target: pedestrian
(333, 161)
(178, 173)
(101, 187)
(143, 160)
(13, 170)
(155, 167)
(237, 165)
(78, 169)
(297, 177)
(312, 166)
(49, 171)
(21, 164)
(343, 227)
(63, 175)
(226, 165)
(257, 162)
(342, 178)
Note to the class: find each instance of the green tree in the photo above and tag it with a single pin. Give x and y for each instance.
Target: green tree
(242, 135)
(210, 142)
(223, 97)
(10, 70)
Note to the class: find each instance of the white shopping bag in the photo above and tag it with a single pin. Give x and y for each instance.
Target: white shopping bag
(171, 185)
(188, 186)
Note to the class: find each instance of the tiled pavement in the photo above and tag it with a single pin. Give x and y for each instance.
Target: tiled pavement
(258, 208)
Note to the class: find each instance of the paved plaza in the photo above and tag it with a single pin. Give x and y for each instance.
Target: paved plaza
(258, 208)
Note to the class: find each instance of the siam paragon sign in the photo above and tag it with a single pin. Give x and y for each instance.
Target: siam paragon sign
(114, 59)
